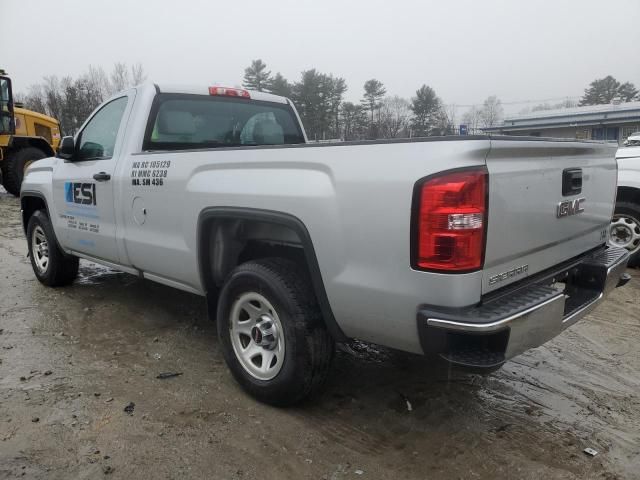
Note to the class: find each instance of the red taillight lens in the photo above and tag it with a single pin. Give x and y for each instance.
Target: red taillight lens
(228, 92)
(451, 222)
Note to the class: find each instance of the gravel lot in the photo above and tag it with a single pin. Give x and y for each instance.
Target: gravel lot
(72, 359)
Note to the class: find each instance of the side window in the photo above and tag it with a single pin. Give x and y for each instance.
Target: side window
(43, 131)
(98, 139)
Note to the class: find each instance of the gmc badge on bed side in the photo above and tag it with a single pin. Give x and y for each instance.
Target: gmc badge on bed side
(570, 207)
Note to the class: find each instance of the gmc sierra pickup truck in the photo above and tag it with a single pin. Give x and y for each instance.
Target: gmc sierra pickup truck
(473, 248)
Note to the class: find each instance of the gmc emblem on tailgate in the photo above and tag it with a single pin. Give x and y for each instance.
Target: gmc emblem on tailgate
(570, 207)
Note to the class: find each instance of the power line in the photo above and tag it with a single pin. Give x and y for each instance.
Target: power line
(515, 102)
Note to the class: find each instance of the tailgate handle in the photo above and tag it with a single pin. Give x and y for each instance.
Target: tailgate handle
(571, 181)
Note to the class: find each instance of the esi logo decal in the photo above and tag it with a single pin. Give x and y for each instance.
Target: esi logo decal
(80, 193)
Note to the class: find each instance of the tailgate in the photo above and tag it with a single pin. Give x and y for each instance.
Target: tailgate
(533, 224)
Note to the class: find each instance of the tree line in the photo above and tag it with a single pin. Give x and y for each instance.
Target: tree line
(71, 100)
(601, 91)
(320, 101)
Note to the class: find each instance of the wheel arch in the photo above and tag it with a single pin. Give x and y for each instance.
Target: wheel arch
(239, 234)
(628, 194)
(18, 142)
(30, 202)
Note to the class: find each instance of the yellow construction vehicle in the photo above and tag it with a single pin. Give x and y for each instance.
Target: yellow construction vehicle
(25, 137)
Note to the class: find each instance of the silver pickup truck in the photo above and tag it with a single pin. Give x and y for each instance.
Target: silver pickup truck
(473, 249)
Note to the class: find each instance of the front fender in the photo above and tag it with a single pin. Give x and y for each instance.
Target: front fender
(629, 172)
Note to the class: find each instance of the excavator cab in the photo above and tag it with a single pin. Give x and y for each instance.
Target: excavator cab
(25, 136)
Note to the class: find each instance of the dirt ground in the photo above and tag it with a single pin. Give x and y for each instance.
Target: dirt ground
(72, 359)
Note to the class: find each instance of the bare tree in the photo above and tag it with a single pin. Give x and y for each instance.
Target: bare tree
(137, 74)
(491, 113)
(52, 96)
(394, 113)
(450, 117)
(71, 100)
(119, 77)
(472, 118)
(99, 80)
(34, 99)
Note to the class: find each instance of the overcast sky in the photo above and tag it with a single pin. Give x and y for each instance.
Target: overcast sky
(464, 49)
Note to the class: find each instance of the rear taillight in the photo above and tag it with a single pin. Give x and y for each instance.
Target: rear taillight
(228, 92)
(451, 220)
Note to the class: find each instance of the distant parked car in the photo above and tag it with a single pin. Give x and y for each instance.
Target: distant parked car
(625, 226)
(633, 140)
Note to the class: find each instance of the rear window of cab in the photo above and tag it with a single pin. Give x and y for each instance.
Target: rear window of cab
(183, 121)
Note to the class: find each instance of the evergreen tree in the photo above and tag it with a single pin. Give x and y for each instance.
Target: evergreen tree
(426, 108)
(373, 92)
(353, 121)
(256, 76)
(318, 97)
(307, 96)
(334, 89)
(628, 92)
(280, 86)
(605, 90)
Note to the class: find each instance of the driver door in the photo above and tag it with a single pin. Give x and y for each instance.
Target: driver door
(84, 188)
(7, 126)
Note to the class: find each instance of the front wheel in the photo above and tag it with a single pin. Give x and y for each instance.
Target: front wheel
(625, 230)
(16, 164)
(272, 334)
(50, 264)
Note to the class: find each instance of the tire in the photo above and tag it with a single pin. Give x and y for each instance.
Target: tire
(625, 230)
(299, 349)
(60, 269)
(13, 171)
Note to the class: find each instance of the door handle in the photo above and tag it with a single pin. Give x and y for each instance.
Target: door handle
(102, 177)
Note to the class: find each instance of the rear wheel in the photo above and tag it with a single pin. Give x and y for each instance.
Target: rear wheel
(625, 230)
(272, 334)
(50, 264)
(15, 166)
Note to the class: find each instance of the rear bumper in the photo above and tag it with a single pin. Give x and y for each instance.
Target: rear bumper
(524, 317)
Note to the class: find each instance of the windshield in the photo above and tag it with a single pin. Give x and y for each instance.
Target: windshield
(180, 121)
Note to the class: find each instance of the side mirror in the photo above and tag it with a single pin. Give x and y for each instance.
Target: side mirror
(67, 148)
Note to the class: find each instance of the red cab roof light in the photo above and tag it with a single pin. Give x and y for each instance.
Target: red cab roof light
(229, 92)
(450, 226)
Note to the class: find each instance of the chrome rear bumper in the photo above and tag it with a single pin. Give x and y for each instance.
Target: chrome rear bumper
(486, 335)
